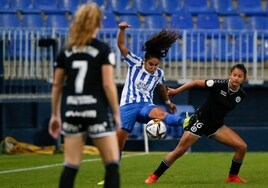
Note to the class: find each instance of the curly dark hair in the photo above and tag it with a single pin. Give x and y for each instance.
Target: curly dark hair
(158, 45)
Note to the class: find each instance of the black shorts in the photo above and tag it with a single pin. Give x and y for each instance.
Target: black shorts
(99, 126)
(204, 126)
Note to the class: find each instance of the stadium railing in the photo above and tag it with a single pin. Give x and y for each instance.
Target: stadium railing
(28, 56)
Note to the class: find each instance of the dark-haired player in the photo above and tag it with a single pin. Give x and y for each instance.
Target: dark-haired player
(223, 96)
(143, 77)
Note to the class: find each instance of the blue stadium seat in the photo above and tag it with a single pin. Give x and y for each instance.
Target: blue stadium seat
(244, 48)
(48, 6)
(69, 6)
(123, 7)
(197, 6)
(222, 49)
(234, 25)
(250, 7)
(24, 6)
(259, 23)
(135, 44)
(33, 21)
(224, 8)
(172, 7)
(109, 20)
(175, 52)
(133, 20)
(155, 22)
(56, 21)
(148, 7)
(263, 51)
(5, 7)
(9, 20)
(209, 23)
(198, 47)
(98, 2)
(182, 20)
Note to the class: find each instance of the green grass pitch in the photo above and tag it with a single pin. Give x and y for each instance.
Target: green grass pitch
(193, 170)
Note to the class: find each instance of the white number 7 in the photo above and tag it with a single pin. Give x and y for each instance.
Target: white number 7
(80, 78)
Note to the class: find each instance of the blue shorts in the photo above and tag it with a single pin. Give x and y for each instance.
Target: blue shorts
(135, 112)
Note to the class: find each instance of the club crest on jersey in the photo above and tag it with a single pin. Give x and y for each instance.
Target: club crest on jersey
(210, 83)
(237, 99)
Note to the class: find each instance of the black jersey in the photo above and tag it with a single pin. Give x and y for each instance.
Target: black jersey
(85, 97)
(220, 100)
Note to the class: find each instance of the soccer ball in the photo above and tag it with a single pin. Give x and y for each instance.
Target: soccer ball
(156, 129)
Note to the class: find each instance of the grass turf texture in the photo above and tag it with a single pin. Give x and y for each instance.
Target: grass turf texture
(193, 170)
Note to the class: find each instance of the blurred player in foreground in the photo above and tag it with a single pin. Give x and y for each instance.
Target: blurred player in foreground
(223, 96)
(87, 66)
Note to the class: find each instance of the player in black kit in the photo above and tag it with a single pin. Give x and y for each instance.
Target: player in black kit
(86, 67)
(223, 96)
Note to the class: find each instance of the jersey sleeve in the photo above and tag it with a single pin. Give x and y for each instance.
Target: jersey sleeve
(60, 63)
(131, 59)
(108, 56)
(214, 83)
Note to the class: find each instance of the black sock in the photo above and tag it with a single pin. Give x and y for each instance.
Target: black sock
(67, 176)
(164, 165)
(112, 177)
(235, 167)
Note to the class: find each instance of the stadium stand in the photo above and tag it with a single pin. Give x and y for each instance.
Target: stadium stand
(133, 20)
(109, 20)
(250, 7)
(155, 22)
(8, 20)
(56, 21)
(68, 6)
(197, 7)
(234, 25)
(48, 6)
(224, 8)
(172, 7)
(222, 49)
(148, 7)
(258, 23)
(209, 24)
(182, 20)
(25, 6)
(32, 21)
(123, 7)
(5, 7)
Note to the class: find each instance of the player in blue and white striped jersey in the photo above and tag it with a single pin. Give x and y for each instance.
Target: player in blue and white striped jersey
(143, 77)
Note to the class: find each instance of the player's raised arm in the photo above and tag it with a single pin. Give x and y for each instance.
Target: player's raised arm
(121, 38)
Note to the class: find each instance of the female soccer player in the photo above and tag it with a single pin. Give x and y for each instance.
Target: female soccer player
(223, 96)
(143, 77)
(85, 65)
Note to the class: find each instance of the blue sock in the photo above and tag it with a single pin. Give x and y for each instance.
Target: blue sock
(173, 120)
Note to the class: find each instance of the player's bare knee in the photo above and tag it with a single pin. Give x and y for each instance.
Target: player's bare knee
(242, 148)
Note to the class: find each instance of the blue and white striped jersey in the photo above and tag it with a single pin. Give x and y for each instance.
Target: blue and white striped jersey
(139, 85)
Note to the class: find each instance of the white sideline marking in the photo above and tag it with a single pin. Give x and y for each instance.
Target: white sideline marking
(60, 164)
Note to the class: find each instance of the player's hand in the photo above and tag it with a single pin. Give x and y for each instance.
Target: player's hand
(117, 121)
(54, 128)
(171, 92)
(123, 25)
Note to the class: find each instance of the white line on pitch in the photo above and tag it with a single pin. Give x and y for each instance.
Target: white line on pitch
(60, 164)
